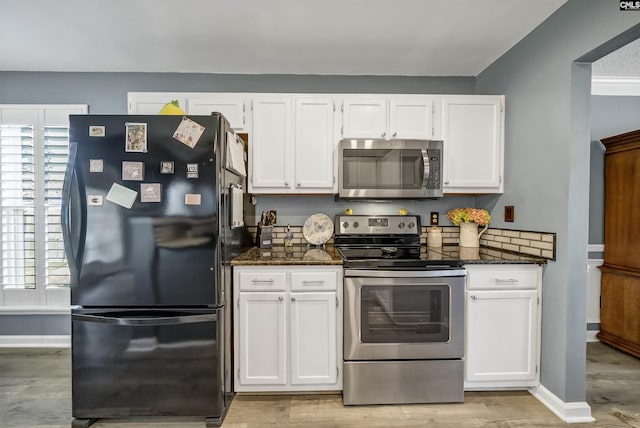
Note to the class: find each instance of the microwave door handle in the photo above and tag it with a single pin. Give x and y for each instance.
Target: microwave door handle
(425, 167)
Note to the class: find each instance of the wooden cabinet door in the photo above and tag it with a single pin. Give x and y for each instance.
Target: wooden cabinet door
(312, 329)
(314, 145)
(411, 118)
(501, 337)
(365, 118)
(262, 339)
(472, 129)
(271, 154)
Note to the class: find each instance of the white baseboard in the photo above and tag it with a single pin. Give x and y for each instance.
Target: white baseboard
(571, 413)
(591, 335)
(43, 341)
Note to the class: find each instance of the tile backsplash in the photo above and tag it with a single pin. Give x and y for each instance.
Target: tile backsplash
(540, 244)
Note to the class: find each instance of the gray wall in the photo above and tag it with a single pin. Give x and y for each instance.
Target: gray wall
(610, 115)
(547, 163)
(106, 93)
(35, 324)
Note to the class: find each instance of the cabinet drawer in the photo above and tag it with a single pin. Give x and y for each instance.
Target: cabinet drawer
(263, 281)
(502, 278)
(313, 281)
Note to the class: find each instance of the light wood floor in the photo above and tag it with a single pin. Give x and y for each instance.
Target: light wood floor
(35, 393)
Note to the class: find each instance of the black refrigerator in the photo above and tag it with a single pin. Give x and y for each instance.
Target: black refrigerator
(151, 217)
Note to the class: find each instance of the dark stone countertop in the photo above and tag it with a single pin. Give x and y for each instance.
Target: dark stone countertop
(482, 255)
(281, 255)
(309, 255)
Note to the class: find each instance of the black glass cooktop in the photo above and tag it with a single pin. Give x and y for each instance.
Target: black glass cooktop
(394, 258)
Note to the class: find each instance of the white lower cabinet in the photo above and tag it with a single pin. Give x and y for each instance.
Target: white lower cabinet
(502, 327)
(288, 328)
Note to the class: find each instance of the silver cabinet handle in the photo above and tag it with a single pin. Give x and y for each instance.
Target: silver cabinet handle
(293, 299)
(315, 281)
(286, 183)
(474, 298)
(506, 280)
(299, 184)
(395, 133)
(255, 280)
(280, 298)
(446, 182)
(384, 133)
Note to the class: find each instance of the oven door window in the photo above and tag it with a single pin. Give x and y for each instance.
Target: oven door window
(404, 314)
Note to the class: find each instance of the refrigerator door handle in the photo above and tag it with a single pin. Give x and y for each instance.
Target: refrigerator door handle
(146, 321)
(73, 242)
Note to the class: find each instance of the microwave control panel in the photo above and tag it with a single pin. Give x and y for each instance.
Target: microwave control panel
(433, 182)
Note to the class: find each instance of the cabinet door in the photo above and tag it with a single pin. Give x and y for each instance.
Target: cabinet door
(152, 102)
(312, 318)
(501, 337)
(314, 144)
(411, 118)
(364, 118)
(233, 108)
(271, 154)
(262, 342)
(472, 129)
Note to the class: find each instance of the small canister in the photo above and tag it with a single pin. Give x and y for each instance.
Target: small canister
(434, 237)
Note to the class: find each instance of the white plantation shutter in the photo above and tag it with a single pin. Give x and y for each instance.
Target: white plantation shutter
(56, 152)
(34, 147)
(17, 196)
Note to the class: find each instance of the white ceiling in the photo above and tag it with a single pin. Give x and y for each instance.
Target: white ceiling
(342, 37)
(625, 62)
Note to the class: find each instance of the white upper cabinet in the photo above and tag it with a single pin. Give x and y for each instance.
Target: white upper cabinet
(232, 106)
(152, 102)
(388, 117)
(411, 118)
(364, 118)
(314, 144)
(293, 145)
(270, 155)
(473, 134)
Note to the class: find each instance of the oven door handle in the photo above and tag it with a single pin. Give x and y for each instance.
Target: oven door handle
(426, 273)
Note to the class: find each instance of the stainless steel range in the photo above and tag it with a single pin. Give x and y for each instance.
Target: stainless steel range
(404, 314)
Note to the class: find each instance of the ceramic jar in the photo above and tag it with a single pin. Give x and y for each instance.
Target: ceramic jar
(434, 237)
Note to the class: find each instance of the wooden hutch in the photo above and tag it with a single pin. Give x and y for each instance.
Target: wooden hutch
(620, 284)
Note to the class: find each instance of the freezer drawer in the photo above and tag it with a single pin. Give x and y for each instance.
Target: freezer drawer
(146, 363)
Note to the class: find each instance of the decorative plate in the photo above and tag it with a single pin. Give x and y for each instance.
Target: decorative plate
(317, 229)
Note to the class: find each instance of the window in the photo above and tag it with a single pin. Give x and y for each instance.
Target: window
(34, 146)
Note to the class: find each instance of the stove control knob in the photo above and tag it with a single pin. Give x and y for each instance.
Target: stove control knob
(401, 225)
(411, 225)
(345, 224)
(355, 224)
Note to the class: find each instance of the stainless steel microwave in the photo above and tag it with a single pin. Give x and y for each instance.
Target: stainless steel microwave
(390, 169)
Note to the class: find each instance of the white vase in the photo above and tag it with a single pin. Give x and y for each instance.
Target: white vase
(469, 236)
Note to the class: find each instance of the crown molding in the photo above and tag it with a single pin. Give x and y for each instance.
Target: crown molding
(615, 85)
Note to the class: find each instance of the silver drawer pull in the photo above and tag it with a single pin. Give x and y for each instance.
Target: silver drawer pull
(507, 280)
(271, 281)
(315, 281)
